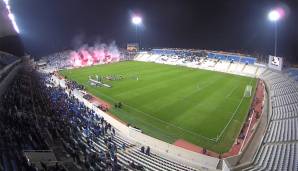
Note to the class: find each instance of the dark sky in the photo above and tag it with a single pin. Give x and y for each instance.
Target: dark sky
(53, 25)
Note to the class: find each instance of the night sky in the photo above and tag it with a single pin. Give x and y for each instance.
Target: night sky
(49, 26)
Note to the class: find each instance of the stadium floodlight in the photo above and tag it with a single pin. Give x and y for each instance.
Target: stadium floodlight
(275, 15)
(11, 16)
(136, 20)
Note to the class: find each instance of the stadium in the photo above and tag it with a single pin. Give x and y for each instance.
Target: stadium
(101, 107)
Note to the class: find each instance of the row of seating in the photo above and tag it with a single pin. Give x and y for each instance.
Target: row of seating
(58, 60)
(276, 157)
(179, 52)
(290, 88)
(278, 83)
(283, 94)
(282, 130)
(285, 99)
(279, 148)
(285, 111)
(202, 62)
(232, 57)
(19, 126)
(6, 59)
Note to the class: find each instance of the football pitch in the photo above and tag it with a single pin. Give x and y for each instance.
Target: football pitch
(169, 103)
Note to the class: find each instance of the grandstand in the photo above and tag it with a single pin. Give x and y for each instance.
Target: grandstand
(216, 61)
(87, 138)
(73, 134)
(278, 150)
(50, 119)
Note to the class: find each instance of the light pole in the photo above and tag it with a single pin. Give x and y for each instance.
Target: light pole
(137, 21)
(274, 16)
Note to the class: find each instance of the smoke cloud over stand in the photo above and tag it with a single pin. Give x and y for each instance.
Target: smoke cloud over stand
(99, 53)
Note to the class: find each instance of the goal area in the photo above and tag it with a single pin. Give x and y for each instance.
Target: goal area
(247, 91)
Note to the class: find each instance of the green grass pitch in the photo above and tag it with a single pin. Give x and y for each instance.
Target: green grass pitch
(167, 102)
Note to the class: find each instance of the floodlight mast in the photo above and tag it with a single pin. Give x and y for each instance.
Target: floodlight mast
(137, 21)
(274, 16)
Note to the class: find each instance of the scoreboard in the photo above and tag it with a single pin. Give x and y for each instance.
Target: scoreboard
(133, 47)
(275, 62)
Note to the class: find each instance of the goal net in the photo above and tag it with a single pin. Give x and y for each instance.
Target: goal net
(247, 92)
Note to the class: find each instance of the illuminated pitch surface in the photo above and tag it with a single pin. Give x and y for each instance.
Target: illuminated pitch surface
(174, 102)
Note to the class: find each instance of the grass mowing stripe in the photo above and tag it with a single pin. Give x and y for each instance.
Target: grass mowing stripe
(162, 121)
(223, 130)
(166, 97)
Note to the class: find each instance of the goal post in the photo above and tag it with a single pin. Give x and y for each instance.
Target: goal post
(247, 91)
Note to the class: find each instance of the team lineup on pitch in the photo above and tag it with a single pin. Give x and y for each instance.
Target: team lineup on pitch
(205, 108)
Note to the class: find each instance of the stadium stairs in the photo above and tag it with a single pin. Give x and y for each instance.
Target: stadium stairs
(228, 68)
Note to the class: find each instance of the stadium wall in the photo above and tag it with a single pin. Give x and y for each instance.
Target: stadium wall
(167, 150)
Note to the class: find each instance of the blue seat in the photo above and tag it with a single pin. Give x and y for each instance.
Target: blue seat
(248, 60)
(230, 57)
(293, 73)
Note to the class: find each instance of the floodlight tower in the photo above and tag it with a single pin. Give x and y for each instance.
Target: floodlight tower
(137, 21)
(274, 16)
